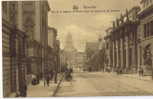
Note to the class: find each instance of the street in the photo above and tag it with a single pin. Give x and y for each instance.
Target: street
(104, 84)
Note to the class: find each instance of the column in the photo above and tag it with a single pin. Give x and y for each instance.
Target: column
(121, 53)
(109, 59)
(127, 53)
(117, 54)
(133, 57)
(139, 56)
(113, 55)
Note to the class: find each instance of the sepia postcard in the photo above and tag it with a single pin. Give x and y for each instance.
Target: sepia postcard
(71, 48)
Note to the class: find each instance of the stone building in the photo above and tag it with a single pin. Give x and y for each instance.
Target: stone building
(131, 39)
(70, 52)
(24, 42)
(50, 58)
(80, 61)
(14, 49)
(52, 34)
(63, 60)
(108, 49)
(145, 34)
(123, 42)
(57, 56)
(91, 51)
(36, 24)
(54, 45)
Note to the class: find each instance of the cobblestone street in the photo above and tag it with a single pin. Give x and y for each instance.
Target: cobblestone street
(105, 84)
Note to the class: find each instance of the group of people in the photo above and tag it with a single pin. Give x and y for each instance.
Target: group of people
(68, 74)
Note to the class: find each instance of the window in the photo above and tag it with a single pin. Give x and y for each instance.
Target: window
(151, 27)
(4, 8)
(148, 30)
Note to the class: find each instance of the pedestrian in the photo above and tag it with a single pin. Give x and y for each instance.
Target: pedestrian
(71, 70)
(51, 75)
(37, 79)
(141, 71)
(23, 92)
(47, 80)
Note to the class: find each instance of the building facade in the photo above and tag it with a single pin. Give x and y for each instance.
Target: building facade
(14, 43)
(145, 34)
(24, 42)
(131, 40)
(54, 45)
(108, 49)
(122, 42)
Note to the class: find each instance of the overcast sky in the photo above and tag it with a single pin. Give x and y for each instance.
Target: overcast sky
(85, 26)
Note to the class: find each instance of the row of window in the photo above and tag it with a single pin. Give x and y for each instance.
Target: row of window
(148, 29)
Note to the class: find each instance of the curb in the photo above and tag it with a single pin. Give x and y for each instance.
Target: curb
(58, 86)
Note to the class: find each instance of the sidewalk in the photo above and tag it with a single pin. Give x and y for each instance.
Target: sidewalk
(136, 76)
(42, 91)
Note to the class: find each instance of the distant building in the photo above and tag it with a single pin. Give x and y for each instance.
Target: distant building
(91, 49)
(80, 61)
(69, 46)
(63, 59)
(70, 52)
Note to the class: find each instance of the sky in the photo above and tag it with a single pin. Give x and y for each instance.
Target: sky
(85, 27)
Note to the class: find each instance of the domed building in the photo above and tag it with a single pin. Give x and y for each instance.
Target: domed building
(70, 52)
